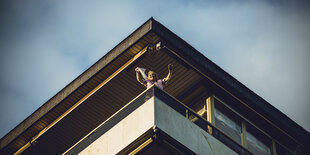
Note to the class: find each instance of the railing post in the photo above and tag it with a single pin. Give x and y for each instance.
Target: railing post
(243, 135)
(186, 113)
(273, 147)
(210, 112)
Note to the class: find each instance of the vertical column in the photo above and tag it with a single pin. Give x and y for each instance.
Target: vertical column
(210, 112)
(243, 134)
(273, 147)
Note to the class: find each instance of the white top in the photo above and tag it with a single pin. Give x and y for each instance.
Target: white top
(158, 83)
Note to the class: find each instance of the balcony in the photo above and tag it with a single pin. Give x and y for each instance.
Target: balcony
(154, 120)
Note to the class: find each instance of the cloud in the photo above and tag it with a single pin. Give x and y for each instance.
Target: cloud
(31, 76)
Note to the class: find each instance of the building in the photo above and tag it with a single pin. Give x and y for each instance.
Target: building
(202, 109)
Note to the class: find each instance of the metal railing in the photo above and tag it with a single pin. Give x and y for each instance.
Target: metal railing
(199, 121)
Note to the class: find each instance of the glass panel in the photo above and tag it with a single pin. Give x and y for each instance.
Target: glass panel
(256, 146)
(227, 122)
(200, 109)
(282, 151)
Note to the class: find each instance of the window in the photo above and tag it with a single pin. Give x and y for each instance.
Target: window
(282, 151)
(241, 130)
(227, 121)
(257, 143)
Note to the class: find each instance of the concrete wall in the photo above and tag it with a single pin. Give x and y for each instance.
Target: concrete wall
(186, 132)
(125, 132)
(166, 119)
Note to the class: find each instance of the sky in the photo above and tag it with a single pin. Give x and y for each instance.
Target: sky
(44, 45)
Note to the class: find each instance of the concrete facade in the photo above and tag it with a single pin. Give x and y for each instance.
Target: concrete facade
(152, 113)
(124, 132)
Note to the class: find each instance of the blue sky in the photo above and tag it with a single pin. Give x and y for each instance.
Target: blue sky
(44, 45)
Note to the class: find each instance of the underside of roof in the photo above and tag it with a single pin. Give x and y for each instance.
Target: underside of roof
(111, 83)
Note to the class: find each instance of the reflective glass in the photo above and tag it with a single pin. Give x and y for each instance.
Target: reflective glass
(256, 146)
(227, 123)
(282, 151)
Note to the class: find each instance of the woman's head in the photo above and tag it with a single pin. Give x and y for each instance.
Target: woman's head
(152, 76)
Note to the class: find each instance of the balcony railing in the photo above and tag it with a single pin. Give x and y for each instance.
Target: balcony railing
(199, 121)
(170, 101)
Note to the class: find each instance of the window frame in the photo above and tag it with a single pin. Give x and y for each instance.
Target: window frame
(244, 121)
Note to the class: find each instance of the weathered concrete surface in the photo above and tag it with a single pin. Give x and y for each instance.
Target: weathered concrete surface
(186, 132)
(155, 112)
(125, 132)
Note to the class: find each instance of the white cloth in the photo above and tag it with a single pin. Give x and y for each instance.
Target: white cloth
(142, 71)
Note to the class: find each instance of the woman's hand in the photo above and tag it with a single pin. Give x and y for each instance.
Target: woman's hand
(170, 67)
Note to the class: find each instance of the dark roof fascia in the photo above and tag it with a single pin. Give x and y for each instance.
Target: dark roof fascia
(78, 82)
(233, 85)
